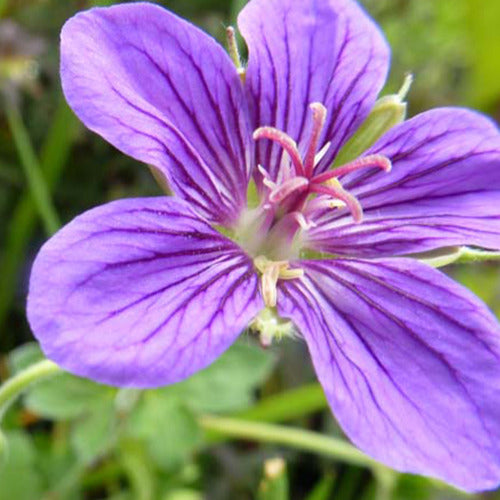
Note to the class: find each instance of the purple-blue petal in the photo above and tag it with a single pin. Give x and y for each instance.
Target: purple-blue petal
(307, 51)
(443, 190)
(165, 93)
(410, 364)
(140, 292)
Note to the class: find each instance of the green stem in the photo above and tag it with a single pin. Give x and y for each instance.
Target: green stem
(53, 157)
(32, 170)
(13, 387)
(296, 438)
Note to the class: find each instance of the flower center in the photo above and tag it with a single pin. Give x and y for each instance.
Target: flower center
(293, 200)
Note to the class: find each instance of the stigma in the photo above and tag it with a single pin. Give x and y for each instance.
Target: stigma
(297, 184)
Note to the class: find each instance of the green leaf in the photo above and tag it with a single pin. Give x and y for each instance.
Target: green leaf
(66, 397)
(19, 478)
(93, 435)
(228, 384)
(23, 356)
(169, 429)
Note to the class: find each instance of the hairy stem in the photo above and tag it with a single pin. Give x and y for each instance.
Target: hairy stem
(17, 384)
(296, 438)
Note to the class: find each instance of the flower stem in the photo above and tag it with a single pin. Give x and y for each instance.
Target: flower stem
(10, 389)
(32, 170)
(296, 438)
(13, 387)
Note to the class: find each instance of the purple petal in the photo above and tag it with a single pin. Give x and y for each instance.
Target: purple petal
(167, 94)
(311, 51)
(409, 361)
(140, 292)
(443, 190)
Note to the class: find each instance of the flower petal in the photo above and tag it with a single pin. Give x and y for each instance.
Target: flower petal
(326, 51)
(165, 93)
(443, 190)
(140, 292)
(409, 361)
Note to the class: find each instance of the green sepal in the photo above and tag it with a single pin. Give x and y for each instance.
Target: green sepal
(388, 112)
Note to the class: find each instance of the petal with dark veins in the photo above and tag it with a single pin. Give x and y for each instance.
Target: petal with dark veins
(165, 93)
(410, 363)
(443, 190)
(140, 292)
(300, 52)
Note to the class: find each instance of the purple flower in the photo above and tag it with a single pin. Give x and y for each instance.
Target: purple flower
(145, 292)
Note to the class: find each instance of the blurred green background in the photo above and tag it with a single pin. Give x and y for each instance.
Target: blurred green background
(72, 439)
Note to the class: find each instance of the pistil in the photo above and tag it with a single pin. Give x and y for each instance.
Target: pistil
(370, 161)
(319, 117)
(295, 181)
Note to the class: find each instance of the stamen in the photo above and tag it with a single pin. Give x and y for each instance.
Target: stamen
(271, 272)
(343, 195)
(371, 161)
(266, 178)
(287, 188)
(303, 222)
(319, 117)
(269, 282)
(285, 141)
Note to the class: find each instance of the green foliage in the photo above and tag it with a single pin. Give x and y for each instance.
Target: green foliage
(74, 439)
(19, 478)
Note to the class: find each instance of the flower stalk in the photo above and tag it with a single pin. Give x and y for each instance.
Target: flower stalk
(295, 438)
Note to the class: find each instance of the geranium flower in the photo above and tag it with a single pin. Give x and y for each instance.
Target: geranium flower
(145, 292)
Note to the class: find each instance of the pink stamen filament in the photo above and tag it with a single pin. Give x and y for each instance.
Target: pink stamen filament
(319, 117)
(285, 141)
(287, 188)
(371, 161)
(342, 195)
